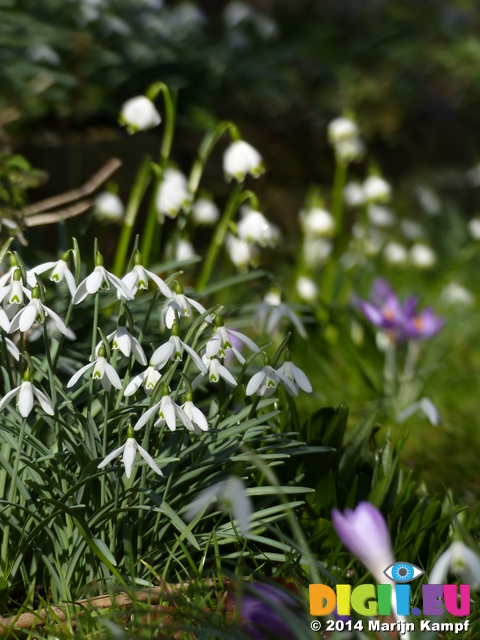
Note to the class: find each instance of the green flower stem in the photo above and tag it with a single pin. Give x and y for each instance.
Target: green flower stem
(150, 231)
(94, 343)
(11, 498)
(339, 181)
(136, 196)
(236, 198)
(62, 338)
(390, 369)
(51, 373)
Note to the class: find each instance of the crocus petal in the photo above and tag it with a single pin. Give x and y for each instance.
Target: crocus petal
(255, 382)
(430, 410)
(25, 399)
(76, 376)
(149, 460)
(111, 456)
(44, 401)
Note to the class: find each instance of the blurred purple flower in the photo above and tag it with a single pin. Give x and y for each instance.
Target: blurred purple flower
(259, 612)
(401, 321)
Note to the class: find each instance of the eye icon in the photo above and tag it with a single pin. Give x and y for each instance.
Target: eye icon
(403, 572)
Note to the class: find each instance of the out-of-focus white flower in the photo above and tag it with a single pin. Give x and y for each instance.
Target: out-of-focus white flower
(473, 175)
(168, 413)
(307, 289)
(172, 195)
(139, 114)
(114, 24)
(26, 393)
(123, 340)
(149, 378)
(198, 420)
(459, 560)
(13, 293)
(457, 296)
(395, 253)
(349, 150)
(353, 194)
(266, 381)
(205, 212)
(429, 201)
(138, 278)
(383, 341)
(242, 253)
(316, 251)
(295, 375)
(376, 189)
(426, 406)
(373, 242)
(99, 280)
(185, 250)
(215, 371)
(239, 159)
(237, 12)
(254, 227)
(411, 230)
(381, 216)
(109, 207)
(272, 312)
(180, 305)
(474, 228)
(317, 222)
(102, 370)
(223, 341)
(60, 273)
(129, 450)
(173, 351)
(341, 129)
(422, 256)
(53, 332)
(35, 311)
(42, 53)
(232, 498)
(185, 18)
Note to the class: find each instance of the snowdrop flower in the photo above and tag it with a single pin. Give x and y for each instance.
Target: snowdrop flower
(376, 189)
(254, 227)
(41, 52)
(196, 417)
(60, 273)
(205, 212)
(173, 351)
(349, 150)
(14, 292)
(474, 228)
(265, 382)
(168, 413)
(184, 251)
(237, 12)
(411, 230)
(307, 289)
(139, 114)
(395, 253)
(353, 194)
(8, 276)
(422, 256)
(148, 378)
(138, 278)
(172, 195)
(35, 311)
(53, 332)
(232, 497)
(27, 393)
(341, 129)
(241, 253)
(102, 371)
(99, 280)
(180, 305)
(12, 349)
(215, 371)
(459, 560)
(272, 311)
(473, 175)
(241, 158)
(130, 450)
(317, 222)
(294, 374)
(426, 406)
(429, 201)
(109, 207)
(316, 251)
(381, 216)
(457, 296)
(123, 340)
(224, 340)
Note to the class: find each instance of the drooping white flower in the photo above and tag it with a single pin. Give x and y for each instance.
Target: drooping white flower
(184, 250)
(411, 230)
(27, 393)
(254, 227)
(173, 350)
(341, 129)
(205, 212)
(180, 305)
(172, 195)
(123, 340)
(349, 150)
(474, 228)
(239, 159)
(138, 278)
(109, 207)
(215, 371)
(99, 280)
(35, 311)
(223, 341)
(316, 251)
(60, 273)
(429, 200)
(395, 253)
(353, 194)
(422, 256)
(425, 406)
(232, 498)
(272, 312)
(102, 370)
(381, 216)
(459, 560)
(148, 378)
(14, 292)
(376, 189)
(129, 450)
(242, 253)
(12, 349)
(456, 295)
(52, 331)
(198, 420)
(139, 114)
(307, 289)
(317, 222)
(43, 53)
(266, 381)
(168, 413)
(294, 374)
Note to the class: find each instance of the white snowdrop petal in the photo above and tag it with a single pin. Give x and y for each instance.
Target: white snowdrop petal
(12, 349)
(288, 383)
(44, 401)
(149, 460)
(226, 375)
(129, 455)
(440, 569)
(170, 416)
(111, 456)
(161, 356)
(199, 418)
(124, 342)
(149, 413)
(27, 316)
(94, 281)
(255, 382)
(69, 277)
(301, 379)
(7, 397)
(25, 399)
(241, 504)
(80, 293)
(245, 339)
(202, 501)
(76, 376)
(164, 288)
(195, 357)
(138, 352)
(58, 321)
(126, 292)
(113, 376)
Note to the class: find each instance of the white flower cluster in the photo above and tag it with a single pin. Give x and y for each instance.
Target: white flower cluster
(344, 136)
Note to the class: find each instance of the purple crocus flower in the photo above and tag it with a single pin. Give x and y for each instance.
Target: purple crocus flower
(364, 532)
(259, 612)
(424, 325)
